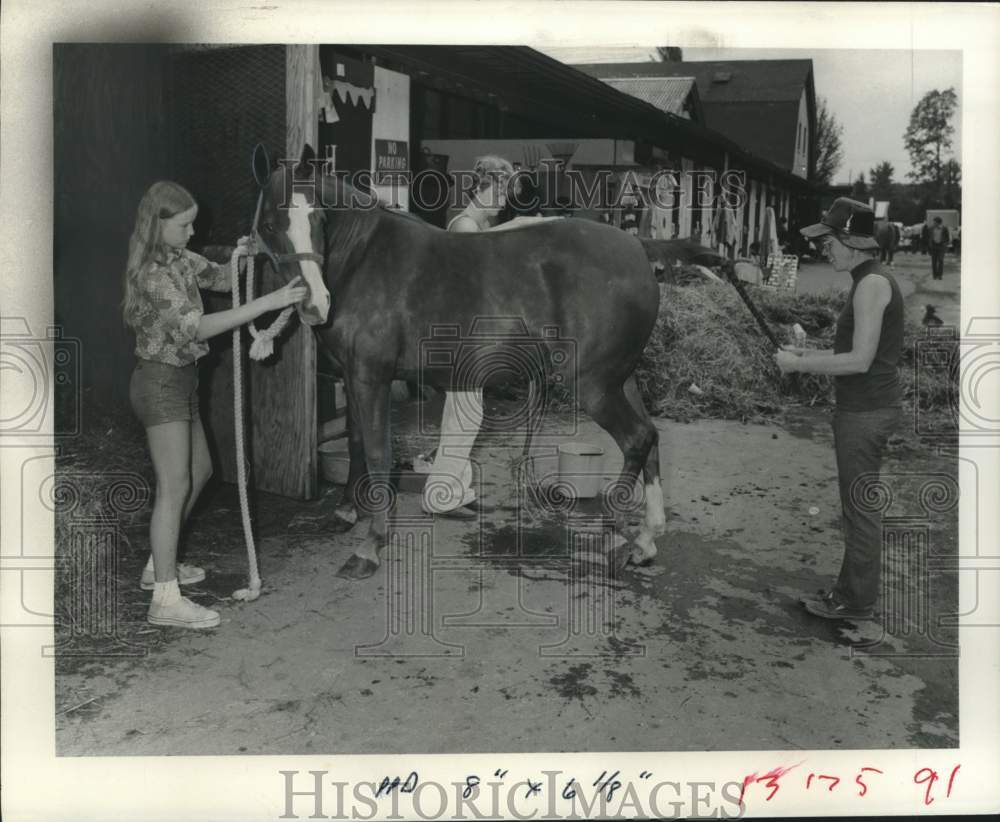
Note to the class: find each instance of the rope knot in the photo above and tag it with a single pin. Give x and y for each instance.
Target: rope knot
(262, 346)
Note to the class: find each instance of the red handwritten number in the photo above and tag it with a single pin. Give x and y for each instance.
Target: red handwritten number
(834, 784)
(863, 786)
(930, 777)
(809, 780)
(770, 779)
(951, 779)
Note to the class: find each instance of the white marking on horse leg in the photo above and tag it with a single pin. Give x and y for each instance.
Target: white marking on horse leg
(300, 235)
(656, 518)
(449, 485)
(654, 524)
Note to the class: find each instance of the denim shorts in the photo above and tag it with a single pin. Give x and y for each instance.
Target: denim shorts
(162, 393)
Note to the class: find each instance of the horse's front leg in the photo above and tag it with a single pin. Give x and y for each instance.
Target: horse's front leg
(368, 400)
(345, 515)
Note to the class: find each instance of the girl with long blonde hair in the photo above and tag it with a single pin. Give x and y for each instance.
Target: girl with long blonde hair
(162, 305)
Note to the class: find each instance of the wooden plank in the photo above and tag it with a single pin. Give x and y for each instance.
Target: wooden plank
(687, 197)
(283, 392)
(303, 84)
(333, 429)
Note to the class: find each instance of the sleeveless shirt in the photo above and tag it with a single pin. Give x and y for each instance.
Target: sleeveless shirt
(879, 386)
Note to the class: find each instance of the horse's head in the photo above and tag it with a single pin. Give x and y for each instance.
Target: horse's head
(291, 226)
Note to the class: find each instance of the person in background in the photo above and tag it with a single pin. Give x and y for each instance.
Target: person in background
(938, 239)
(448, 490)
(887, 236)
(864, 362)
(163, 307)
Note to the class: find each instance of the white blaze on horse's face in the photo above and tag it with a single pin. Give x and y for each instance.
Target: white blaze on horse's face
(317, 306)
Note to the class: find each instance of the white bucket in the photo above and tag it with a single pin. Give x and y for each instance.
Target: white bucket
(335, 461)
(580, 468)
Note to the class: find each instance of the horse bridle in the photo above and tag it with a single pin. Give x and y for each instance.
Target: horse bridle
(276, 259)
(260, 157)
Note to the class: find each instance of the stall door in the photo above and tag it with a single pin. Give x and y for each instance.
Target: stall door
(225, 101)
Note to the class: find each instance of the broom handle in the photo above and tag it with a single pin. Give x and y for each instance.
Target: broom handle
(757, 315)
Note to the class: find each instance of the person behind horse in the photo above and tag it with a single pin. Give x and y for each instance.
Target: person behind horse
(448, 490)
(865, 364)
(163, 307)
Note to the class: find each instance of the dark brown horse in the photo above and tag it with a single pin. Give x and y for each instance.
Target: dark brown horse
(395, 281)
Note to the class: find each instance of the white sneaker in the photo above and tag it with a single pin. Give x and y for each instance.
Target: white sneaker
(182, 614)
(186, 575)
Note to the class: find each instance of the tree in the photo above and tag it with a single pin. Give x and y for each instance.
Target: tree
(669, 54)
(829, 149)
(859, 189)
(928, 136)
(881, 179)
(951, 183)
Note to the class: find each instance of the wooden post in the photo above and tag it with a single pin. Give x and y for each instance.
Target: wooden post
(686, 197)
(751, 216)
(283, 393)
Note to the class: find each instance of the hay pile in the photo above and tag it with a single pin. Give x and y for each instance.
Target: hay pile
(706, 337)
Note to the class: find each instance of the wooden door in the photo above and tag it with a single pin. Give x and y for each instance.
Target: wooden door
(226, 101)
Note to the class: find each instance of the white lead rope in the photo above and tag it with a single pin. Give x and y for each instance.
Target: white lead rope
(261, 348)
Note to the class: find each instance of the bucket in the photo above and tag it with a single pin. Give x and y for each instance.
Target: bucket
(580, 468)
(335, 461)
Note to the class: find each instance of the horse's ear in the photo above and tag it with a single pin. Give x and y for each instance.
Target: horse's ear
(261, 164)
(304, 169)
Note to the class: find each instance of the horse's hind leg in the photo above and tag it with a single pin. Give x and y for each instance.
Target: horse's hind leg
(345, 515)
(368, 400)
(636, 437)
(655, 520)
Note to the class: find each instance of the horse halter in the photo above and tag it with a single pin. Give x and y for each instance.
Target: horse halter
(277, 259)
(261, 167)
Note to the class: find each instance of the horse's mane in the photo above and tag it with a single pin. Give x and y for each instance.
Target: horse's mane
(348, 193)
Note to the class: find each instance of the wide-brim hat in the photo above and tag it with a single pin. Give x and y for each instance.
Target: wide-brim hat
(850, 221)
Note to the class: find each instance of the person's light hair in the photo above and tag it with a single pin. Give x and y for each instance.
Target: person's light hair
(491, 168)
(161, 201)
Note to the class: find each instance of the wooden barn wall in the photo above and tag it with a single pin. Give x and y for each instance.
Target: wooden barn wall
(110, 142)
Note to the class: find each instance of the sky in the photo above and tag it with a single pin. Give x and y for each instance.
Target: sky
(871, 93)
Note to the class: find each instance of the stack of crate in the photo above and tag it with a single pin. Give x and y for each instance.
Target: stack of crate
(784, 270)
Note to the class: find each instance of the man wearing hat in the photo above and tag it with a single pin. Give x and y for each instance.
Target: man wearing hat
(864, 363)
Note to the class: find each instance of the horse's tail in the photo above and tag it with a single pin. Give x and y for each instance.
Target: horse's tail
(669, 253)
(672, 252)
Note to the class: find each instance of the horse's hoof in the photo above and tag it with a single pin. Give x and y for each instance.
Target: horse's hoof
(357, 568)
(639, 559)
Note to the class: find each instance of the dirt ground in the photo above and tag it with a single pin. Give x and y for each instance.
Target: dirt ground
(502, 634)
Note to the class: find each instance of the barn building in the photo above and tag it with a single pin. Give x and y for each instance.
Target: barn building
(127, 115)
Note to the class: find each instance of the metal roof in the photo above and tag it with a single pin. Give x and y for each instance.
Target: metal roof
(555, 92)
(668, 94)
(755, 102)
(722, 81)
